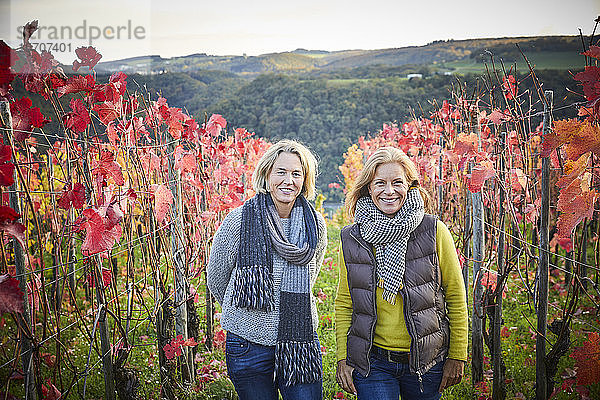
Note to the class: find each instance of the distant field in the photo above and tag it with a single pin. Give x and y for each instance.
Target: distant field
(316, 55)
(545, 60)
(342, 82)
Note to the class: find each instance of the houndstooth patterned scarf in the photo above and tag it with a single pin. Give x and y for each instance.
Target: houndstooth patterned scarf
(390, 236)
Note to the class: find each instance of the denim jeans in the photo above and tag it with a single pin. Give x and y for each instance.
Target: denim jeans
(251, 368)
(389, 380)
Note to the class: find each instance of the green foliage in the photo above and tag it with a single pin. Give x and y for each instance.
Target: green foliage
(518, 340)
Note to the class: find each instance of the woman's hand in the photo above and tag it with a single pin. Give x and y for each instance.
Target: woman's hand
(343, 376)
(453, 373)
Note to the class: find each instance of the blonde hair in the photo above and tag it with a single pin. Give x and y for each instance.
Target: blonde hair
(382, 156)
(260, 177)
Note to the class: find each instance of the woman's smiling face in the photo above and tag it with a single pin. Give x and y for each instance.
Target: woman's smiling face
(388, 188)
(286, 180)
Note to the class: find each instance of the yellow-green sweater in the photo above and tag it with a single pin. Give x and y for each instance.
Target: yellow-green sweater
(390, 329)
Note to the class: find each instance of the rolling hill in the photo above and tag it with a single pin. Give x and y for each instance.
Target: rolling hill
(442, 53)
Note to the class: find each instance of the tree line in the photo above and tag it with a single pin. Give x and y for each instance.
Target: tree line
(328, 111)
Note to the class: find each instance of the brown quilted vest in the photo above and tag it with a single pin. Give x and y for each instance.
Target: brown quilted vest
(424, 302)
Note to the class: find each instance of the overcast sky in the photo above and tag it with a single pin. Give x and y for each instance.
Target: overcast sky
(127, 28)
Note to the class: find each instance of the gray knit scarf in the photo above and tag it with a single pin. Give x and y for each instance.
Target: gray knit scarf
(390, 236)
(297, 353)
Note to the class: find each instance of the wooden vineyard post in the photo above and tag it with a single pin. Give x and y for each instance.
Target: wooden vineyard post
(180, 268)
(544, 259)
(105, 347)
(210, 311)
(467, 234)
(498, 386)
(478, 248)
(26, 349)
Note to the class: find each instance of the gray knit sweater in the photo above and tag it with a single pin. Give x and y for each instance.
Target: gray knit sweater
(256, 326)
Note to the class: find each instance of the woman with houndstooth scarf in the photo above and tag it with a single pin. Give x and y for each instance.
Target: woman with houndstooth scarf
(401, 313)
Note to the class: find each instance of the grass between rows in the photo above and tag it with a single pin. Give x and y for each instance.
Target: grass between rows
(518, 344)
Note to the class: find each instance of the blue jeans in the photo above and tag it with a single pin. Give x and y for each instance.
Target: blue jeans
(251, 368)
(389, 380)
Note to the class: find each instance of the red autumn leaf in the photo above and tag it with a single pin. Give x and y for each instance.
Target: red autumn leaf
(576, 202)
(174, 121)
(7, 215)
(57, 81)
(106, 112)
(561, 134)
(112, 132)
(120, 79)
(77, 83)
(115, 88)
(11, 296)
(72, 197)
(572, 170)
(101, 233)
(587, 358)
(510, 86)
(108, 167)
(8, 57)
(79, 118)
(131, 195)
(481, 172)
(190, 342)
(505, 332)
(567, 221)
(177, 341)
(241, 134)
(498, 117)
(169, 351)
(532, 211)
(207, 215)
(9, 224)
(163, 198)
(219, 338)
(106, 278)
(566, 244)
(49, 359)
(488, 280)
(89, 58)
(579, 185)
(215, 124)
(593, 51)
(50, 392)
(185, 161)
(25, 118)
(466, 144)
(589, 78)
(587, 138)
(150, 162)
(7, 169)
(190, 130)
(172, 351)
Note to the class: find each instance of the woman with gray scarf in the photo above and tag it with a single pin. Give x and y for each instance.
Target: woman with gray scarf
(264, 261)
(401, 312)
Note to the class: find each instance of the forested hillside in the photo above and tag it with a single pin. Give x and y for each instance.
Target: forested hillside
(329, 107)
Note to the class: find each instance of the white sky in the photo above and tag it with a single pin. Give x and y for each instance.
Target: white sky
(176, 28)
